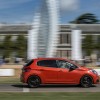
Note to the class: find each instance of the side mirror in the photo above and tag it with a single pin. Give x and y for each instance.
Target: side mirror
(71, 68)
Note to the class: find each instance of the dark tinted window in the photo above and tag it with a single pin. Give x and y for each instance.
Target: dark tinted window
(47, 63)
(29, 63)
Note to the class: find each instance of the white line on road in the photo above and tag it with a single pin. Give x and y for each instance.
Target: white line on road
(26, 90)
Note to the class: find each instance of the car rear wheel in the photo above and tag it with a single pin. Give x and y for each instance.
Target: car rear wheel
(33, 81)
(86, 81)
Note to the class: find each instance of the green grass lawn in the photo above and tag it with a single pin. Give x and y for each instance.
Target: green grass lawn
(49, 96)
(9, 80)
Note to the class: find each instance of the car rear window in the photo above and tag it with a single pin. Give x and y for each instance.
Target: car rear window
(29, 63)
(47, 63)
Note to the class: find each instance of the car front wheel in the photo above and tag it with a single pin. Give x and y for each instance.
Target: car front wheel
(86, 81)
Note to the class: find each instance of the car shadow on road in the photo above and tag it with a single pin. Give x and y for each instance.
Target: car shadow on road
(20, 85)
(50, 86)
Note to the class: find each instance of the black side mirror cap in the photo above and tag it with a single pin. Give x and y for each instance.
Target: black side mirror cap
(71, 68)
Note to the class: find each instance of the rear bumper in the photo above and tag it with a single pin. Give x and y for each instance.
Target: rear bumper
(22, 78)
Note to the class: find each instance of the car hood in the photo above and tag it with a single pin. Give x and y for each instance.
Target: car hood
(83, 69)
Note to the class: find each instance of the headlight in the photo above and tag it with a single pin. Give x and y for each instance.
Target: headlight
(93, 71)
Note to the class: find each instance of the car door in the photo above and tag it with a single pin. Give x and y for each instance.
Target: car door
(49, 71)
(66, 75)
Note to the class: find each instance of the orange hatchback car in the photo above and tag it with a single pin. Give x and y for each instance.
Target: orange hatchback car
(57, 71)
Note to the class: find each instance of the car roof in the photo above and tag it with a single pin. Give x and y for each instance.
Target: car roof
(51, 59)
(55, 59)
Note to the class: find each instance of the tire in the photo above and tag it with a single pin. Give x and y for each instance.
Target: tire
(86, 81)
(33, 81)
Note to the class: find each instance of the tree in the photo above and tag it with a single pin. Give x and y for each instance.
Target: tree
(87, 18)
(98, 45)
(7, 45)
(21, 45)
(88, 45)
(1, 48)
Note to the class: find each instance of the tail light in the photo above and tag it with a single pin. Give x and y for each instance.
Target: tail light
(26, 67)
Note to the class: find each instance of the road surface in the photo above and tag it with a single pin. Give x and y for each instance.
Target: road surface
(47, 88)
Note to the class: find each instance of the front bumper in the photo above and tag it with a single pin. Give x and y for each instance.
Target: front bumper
(98, 80)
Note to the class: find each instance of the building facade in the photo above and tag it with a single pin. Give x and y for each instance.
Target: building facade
(64, 46)
(44, 33)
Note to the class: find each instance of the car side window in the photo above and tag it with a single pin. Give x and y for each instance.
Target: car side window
(65, 64)
(47, 63)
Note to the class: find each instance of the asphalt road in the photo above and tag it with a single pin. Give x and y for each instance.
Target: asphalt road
(47, 88)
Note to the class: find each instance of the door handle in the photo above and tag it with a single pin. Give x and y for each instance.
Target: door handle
(60, 70)
(42, 70)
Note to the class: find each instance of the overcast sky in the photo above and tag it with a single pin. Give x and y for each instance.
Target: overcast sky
(22, 11)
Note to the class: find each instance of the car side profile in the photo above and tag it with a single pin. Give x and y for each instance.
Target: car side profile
(57, 71)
